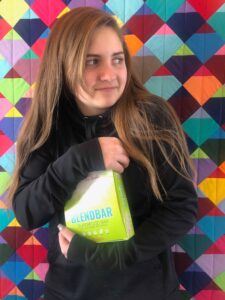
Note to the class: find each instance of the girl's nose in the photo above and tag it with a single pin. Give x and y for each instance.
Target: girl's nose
(107, 73)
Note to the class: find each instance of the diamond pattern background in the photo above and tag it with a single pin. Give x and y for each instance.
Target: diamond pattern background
(179, 53)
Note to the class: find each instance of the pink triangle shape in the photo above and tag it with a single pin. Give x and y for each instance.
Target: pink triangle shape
(221, 51)
(203, 71)
(165, 30)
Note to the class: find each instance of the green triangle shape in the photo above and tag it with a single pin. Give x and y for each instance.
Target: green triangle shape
(6, 251)
(33, 276)
(199, 153)
(163, 9)
(217, 21)
(215, 148)
(30, 55)
(200, 129)
(195, 245)
(220, 93)
(13, 88)
(184, 50)
(4, 181)
(12, 35)
(220, 281)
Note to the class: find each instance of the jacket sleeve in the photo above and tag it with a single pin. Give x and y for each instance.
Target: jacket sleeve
(45, 185)
(170, 219)
(167, 223)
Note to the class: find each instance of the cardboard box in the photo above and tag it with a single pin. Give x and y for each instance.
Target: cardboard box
(98, 209)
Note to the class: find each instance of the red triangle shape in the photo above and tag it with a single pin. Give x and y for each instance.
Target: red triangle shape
(203, 71)
(4, 28)
(205, 28)
(182, 262)
(216, 212)
(216, 66)
(144, 26)
(39, 46)
(212, 286)
(218, 173)
(218, 247)
(213, 250)
(204, 206)
(206, 8)
(15, 236)
(33, 255)
(6, 286)
(162, 71)
(12, 74)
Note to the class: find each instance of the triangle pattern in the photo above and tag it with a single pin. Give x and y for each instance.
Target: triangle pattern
(178, 50)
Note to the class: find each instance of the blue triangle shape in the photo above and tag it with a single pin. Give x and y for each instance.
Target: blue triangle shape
(32, 289)
(144, 10)
(204, 45)
(10, 127)
(30, 14)
(215, 107)
(36, 28)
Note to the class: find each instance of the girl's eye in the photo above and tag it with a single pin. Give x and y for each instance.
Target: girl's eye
(91, 61)
(118, 60)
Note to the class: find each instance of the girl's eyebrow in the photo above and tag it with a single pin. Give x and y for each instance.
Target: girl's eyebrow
(97, 55)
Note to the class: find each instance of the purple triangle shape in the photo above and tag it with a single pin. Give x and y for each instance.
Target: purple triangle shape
(13, 56)
(185, 8)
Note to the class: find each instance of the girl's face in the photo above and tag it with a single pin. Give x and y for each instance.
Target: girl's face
(105, 73)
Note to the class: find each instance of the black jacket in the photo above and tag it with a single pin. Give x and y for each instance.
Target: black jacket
(141, 268)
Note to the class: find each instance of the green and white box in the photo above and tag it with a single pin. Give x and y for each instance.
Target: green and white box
(98, 209)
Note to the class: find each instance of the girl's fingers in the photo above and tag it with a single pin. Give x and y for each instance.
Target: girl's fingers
(64, 244)
(66, 233)
(114, 155)
(123, 160)
(117, 167)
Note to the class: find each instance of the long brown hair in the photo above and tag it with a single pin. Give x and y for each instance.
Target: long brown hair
(63, 66)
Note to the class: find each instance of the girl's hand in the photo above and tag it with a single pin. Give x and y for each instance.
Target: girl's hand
(114, 155)
(65, 237)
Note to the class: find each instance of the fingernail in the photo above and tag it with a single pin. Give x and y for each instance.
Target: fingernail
(60, 227)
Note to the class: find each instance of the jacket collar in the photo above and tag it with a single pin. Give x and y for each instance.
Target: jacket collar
(98, 125)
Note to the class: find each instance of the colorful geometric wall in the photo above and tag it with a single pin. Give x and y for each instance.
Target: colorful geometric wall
(179, 50)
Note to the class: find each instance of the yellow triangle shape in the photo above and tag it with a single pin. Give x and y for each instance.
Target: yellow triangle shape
(213, 188)
(13, 113)
(14, 223)
(66, 10)
(12, 35)
(16, 292)
(184, 50)
(32, 241)
(199, 153)
(33, 276)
